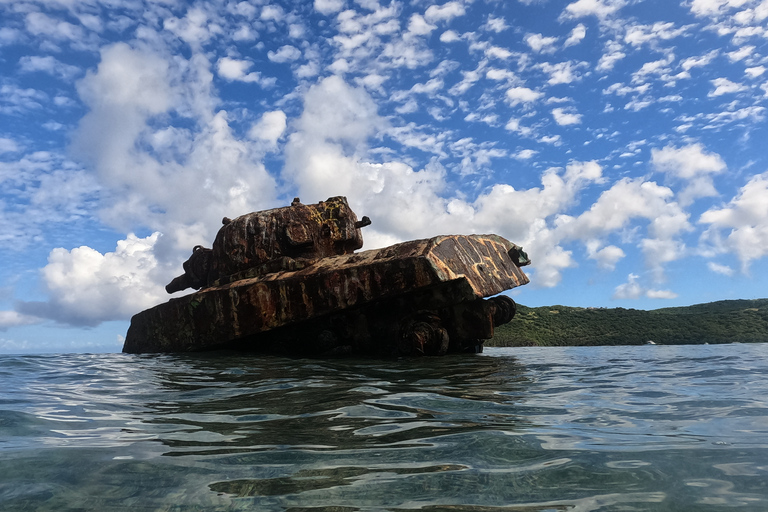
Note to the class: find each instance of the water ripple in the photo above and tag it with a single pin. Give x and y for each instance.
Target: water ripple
(578, 429)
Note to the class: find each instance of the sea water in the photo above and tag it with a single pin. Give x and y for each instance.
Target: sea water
(650, 428)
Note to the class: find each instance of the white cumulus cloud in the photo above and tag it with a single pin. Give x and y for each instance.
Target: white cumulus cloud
(725, 86)
(692, 164)
(285, 53)
(661, 294)
(599, 8)
(14, 319)
(270, 127)
(517, 95)
(564, 118)
(236, 70)
(720, 269)
(629, 290)
(87, 287)
(328, 6)
(48, 64)
(445, 12)
(606, 257)
(624, 203)
(632, 290)
(540, 44)
(741, 226)
(578, 33)
(562, 72)
(175, 179)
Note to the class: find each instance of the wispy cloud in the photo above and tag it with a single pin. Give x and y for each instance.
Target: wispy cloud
(603, 137)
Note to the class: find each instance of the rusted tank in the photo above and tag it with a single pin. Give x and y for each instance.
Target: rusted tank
(288, 281)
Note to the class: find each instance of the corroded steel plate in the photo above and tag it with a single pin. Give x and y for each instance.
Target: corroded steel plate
(468, 267)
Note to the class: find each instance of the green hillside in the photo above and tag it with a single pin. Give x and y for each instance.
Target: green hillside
(744, 321)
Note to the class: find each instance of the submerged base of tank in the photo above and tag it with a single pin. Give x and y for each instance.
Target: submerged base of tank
(405, 326)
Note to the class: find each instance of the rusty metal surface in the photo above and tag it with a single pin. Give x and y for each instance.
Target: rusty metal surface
(272, 240)
(437, 272)
(288, 280)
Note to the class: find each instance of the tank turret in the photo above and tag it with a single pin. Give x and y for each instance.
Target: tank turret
(259, 243)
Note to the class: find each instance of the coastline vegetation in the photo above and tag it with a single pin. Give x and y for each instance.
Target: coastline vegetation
(729, 321)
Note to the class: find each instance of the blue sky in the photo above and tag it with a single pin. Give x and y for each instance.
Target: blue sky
(622, 143)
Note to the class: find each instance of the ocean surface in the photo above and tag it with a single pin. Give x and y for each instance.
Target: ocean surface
(650, 428)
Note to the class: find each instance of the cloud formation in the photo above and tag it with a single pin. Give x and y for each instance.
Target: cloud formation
(691, 164)
(607, 141)
(740, 226)
(165, 176)
(86, 287)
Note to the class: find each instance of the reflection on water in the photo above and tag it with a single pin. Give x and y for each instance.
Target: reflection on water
(310, 479)
(331, 404)
(578, 429)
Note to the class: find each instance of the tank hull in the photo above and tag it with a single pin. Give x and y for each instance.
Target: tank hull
(422, 296)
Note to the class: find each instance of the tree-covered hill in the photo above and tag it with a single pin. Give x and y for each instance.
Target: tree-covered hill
(729, 321)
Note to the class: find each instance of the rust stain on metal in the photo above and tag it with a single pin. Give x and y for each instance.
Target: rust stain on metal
(289, 280)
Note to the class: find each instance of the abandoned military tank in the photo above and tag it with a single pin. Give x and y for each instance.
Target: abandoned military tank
(288, 281)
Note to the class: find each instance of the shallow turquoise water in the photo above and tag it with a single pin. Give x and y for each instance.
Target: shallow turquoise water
(650, 428)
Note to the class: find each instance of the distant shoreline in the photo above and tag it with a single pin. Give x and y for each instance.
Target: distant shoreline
(728, 321)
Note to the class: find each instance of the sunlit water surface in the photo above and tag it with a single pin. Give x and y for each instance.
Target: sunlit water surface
(652, 428)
